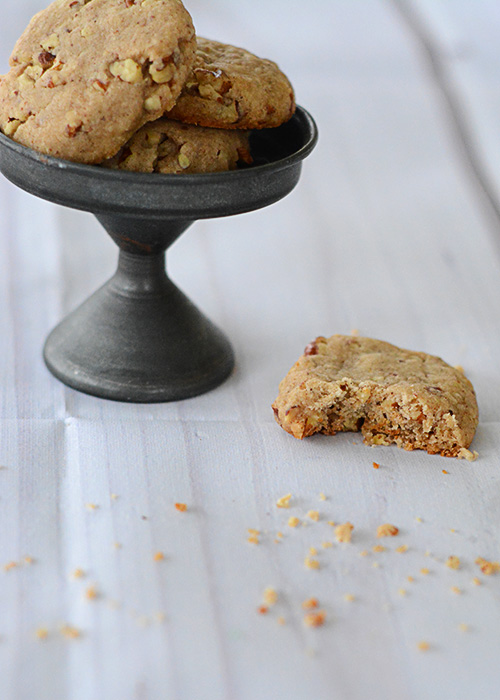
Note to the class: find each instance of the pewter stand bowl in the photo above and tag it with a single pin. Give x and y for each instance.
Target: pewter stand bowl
(139, 338)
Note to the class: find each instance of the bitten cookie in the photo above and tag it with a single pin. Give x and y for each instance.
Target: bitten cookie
(166, 146)
(230, 88)
(391, 395)
(86, 74)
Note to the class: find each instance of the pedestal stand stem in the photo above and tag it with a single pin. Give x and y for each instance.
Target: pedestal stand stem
(140, 275)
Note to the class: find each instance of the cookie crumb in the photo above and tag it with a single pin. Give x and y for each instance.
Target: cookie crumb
(78, 573)
(463, 627)
(453, 562)
(313, 515)
(70, 632)
(332, 523)
(253, 539)
(402, 549)
(293, 521)
(315, 619)
(375, 465)
(313, 551)
(327, 545)
(11, 565)
(91, 593)
(117, 545)
(387, 530)
(402, 592)
(444, 471)
(284, 501)
(322, 497)
(456, 590)
(375, 565)
(114, 496)
(476, 581)
(468, 455)
(418, 520)
(42, 633)
(310, 604)
(423, 646)
(410, 579)
(263, 610)
(310, 563)
(159, 556)
(251, 531)
(349, 598)
(91, 506)
(343, 532)
(378, 548)
(424, 571)
(488, 567)
(364, 553)
(270, 596)
(281, 620)
(181, 507)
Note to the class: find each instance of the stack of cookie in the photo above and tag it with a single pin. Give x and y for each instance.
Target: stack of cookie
(126, 84)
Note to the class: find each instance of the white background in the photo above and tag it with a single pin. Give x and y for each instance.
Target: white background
(394, 230)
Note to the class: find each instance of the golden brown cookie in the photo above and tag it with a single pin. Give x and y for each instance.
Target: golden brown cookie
(230, 88)
(86, 74)
(166, 146)
(391, 395)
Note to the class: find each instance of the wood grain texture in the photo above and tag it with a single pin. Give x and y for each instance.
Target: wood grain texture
(389, 232)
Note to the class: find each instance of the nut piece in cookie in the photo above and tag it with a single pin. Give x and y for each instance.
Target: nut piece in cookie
(412, 399)
(87, 74)
(166, 146)
(230, 88)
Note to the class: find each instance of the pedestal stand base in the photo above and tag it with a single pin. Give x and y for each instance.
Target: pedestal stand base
(139, 339)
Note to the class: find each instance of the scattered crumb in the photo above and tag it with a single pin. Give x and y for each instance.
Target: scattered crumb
(424, 571)
(313, 551)
(349, 598)
(378, 548)
(315, 619)
(452, 530)
(456, 590)
(281, 621)
(343, 532)
(78, 573)
(402, 549)
(253, 539)
(310, 604)
(279, 534)
(29, 560)
(270, 596)
(91, 593)
(251, 531)
(314, 515)
(387, 530)
(181, 507)
(468, 455)
(428, 553)
(410, 579)
(114, 496)
(453, 562)
(322, 497)
(476, 581)
(42, 633)
(364, 553)
(160, 617)
(159, 556)
(460, 368)
(355, 332)
(419, 520)
(375, 565)
(444, 471)
(376, 466)
(70, 632)
(91, 506)
(311, 563)
(327, 545)
(402, 592)
(284, 501)
(423, 646)
(262, 609)
(488, 567)
(463, 627)
(11, 565)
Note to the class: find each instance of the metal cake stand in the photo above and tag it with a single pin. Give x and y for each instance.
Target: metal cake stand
(139, 338)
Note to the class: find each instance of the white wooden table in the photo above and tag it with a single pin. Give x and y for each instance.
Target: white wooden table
(394, 230)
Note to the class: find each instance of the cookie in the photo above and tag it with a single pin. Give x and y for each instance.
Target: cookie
(230, 88)
(412, 399)
(87, 74)
(166, 146)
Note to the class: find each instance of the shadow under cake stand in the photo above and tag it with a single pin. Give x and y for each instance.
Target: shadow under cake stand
(139, 338)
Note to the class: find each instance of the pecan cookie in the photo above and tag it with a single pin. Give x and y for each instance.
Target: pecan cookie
(165, 146)
(230, 88)
(391, 395)
(86, 74)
